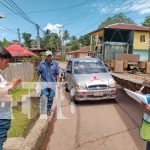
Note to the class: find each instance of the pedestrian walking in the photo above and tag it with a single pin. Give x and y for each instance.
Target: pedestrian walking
(49, 74)
(5, 99)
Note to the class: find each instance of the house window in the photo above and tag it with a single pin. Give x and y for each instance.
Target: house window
(142, 38)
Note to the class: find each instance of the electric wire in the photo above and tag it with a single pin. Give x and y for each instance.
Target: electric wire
(57, 9)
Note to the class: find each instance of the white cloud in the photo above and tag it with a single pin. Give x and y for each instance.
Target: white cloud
(145, 11)
(140, 6)
(105, 10)
(53, 27)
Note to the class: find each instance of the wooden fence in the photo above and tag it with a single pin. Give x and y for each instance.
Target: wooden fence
(23, 70)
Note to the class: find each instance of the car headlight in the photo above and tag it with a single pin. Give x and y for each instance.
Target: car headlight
(80, 86)
(112, 83)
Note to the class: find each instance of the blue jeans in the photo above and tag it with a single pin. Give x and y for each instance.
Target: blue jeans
(148, 146)
(4, 127)
(47, 96)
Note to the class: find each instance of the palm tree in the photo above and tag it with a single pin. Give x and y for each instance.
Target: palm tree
(51, 40)
(27, 39)
(47, 33)
(65, 36)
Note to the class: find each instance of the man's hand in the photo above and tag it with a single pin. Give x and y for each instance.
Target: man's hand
(14, 82)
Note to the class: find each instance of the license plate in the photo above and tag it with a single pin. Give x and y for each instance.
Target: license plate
(98, 94)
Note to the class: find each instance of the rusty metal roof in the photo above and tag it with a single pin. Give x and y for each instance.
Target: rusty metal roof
(127, 27)
(123, 26)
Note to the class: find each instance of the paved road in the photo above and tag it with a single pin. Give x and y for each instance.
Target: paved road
(98, 125)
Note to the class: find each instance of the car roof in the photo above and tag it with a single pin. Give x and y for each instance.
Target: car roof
(86, 58)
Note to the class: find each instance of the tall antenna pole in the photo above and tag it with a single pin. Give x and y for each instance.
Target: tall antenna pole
(38, 36)
(149, 45)
(61, 49)
(19, 38)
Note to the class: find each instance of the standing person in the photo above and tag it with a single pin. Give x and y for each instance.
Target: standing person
(5, 100)
(147, 110)
(49, 72)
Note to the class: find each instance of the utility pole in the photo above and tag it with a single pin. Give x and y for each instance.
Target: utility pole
(61, 49)
(19, 38)
(38, 36)
(149, 46)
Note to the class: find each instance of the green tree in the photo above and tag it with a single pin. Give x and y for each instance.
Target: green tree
(33, 43)
(118, 18)
(65, 36)
(51, 41)
(146, 22)
(5, 43)
(27, 39)
(84, 40)
(74, 43)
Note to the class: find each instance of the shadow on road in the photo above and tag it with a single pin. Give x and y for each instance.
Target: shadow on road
(101, 102)
(129, 108)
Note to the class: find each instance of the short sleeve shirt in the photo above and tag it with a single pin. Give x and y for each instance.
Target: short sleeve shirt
(5, 107)
(48, 73)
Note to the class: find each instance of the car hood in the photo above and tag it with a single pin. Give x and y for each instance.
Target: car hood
(93, 79)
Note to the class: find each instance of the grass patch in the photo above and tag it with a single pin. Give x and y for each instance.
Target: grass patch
(21, 121)
(19, 124)
(17, 93)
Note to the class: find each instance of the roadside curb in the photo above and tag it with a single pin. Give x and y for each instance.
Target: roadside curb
(35, 137)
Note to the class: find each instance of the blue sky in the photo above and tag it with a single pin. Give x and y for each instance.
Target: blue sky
(77, 16)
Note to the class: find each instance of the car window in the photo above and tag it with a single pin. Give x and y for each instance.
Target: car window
(88, 67)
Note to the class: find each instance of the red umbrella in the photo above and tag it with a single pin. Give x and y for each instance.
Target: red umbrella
(19, 51)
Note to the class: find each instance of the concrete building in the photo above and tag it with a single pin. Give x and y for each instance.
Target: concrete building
(82, 52)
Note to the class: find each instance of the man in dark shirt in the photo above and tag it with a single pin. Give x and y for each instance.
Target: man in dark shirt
(49, 72)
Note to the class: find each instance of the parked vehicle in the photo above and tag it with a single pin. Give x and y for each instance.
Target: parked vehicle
(109, 50)
(118, 51)
(89, 79)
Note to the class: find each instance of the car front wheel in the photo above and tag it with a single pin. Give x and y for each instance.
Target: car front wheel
(72, 96)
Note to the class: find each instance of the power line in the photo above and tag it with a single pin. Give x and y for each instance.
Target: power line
(41, 29)
(10, 30)
(97, 22)
(10, 9)
(57, 9)
(62, 14)
(80, 16)
(19, 11)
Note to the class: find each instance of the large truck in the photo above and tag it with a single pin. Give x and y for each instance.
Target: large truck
(109, 50)
(112, 52)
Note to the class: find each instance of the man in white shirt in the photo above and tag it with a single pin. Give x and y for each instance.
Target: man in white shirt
(5, 100)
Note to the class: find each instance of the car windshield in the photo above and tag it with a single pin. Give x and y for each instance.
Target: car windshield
(88, 67)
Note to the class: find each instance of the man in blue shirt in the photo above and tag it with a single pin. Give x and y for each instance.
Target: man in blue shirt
(49, 72)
